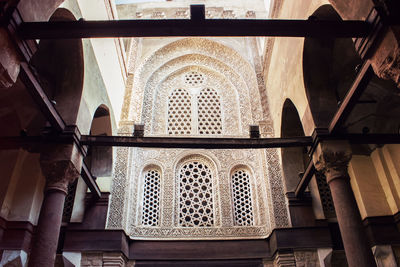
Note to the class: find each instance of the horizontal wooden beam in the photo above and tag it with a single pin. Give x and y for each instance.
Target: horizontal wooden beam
(197, 27)
(193, 142)
(12, 142)
(379, 139)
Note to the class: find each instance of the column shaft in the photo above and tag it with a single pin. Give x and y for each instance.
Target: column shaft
(358, 251)
(45, 243)
(332, 158)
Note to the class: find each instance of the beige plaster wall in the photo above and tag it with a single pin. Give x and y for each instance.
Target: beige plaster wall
(367, 188)
(104, 65)
(375, 181)
(386, 161)
(24, 194)
(284, 78)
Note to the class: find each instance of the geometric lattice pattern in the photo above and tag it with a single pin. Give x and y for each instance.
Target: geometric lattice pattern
(69, 202)
(325, 195)
(194, 78)
(209, 112)
(151, 198)
(195, 195)
(179, 112)
(242, 203)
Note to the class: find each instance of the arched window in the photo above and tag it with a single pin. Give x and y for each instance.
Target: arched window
(151, 198)
(209, 111)
(241, 195)
(195, 195)
(179, 112)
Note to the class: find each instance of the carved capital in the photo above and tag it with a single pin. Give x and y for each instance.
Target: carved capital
(60, 164)
(390, 67)
(332, 158)
(59, 174)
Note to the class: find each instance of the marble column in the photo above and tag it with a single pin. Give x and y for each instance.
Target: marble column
(332, 158)
(60, 165)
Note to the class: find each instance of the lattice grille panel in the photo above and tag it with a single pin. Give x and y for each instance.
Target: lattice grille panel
(179, 112)
(194, 78)
(151, 198)
(195, 200)
(242, 198)
(326, 197)
(209, 112)
(69, 201)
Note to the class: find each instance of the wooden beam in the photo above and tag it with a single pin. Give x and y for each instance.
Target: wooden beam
(185, 27)
(39, 96)
(193, 142)
(379, 139)
(305, 179)
(13, 142)
(360, 83)
(90, 181)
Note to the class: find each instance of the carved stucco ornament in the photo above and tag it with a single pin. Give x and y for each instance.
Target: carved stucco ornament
(390, 68)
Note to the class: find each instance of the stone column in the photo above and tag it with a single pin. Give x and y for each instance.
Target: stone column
(60, 165)
(332, 158)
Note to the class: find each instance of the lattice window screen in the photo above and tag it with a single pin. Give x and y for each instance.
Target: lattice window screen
(194, 78)
(179, 112)
(69, 201)
(195, 200)
(325, 194)
(209, 109)
(242, 203)
(151, 198)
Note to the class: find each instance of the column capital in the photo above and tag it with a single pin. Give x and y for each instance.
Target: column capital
(61, 165)
(332, 158)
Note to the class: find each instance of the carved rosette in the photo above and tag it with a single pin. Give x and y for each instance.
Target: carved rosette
(332, 158)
